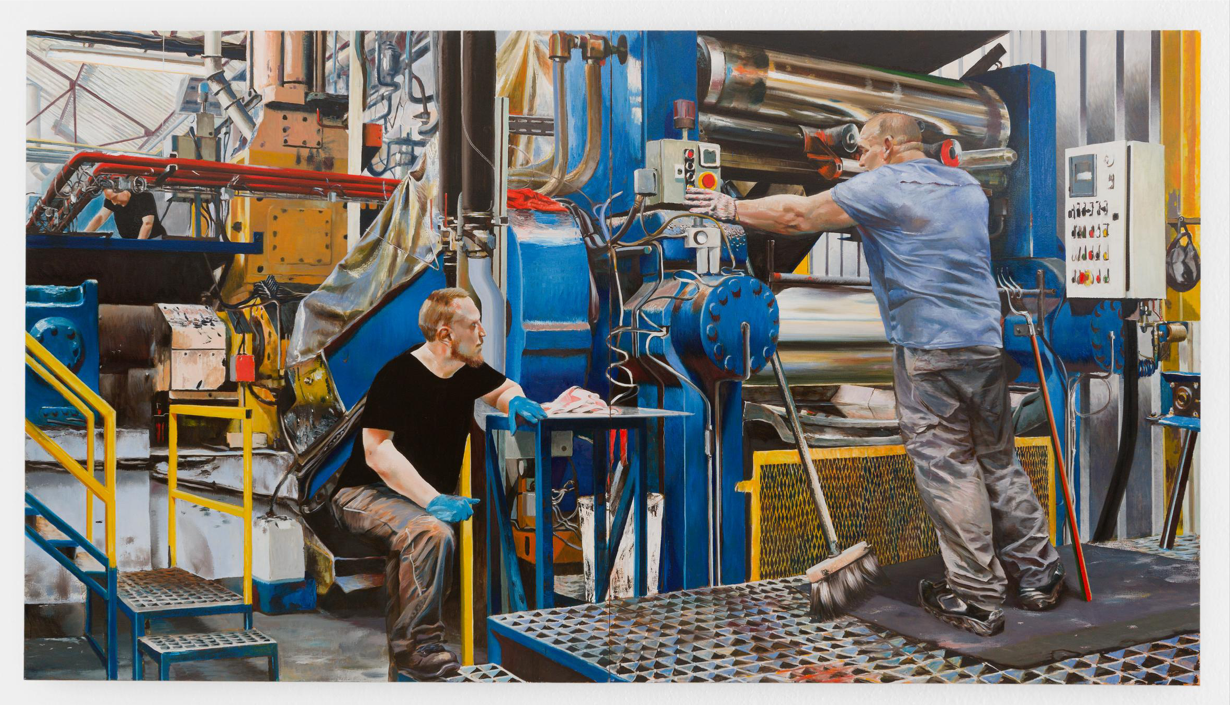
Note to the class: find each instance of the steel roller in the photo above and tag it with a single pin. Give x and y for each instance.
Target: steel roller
(831, 336)
(774, 86)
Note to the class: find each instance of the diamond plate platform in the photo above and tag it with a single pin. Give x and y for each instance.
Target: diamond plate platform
(760, 632)
(172, 589)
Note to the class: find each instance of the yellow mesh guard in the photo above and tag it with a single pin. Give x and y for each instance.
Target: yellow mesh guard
(872, 497)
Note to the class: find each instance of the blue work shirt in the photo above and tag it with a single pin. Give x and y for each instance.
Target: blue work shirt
(924, 228)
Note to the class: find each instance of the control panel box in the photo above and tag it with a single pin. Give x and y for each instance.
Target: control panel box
(680, 164)
(1115, 221)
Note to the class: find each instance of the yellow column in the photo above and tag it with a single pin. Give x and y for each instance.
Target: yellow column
(1180, 108)
(467, 569)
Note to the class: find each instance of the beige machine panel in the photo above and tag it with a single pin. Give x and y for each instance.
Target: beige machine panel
(1115, 221)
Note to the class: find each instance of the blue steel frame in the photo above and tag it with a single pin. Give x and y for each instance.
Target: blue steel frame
(140, 621)
(499, 524)
(554, 653)
(164, 660)
(109, 656)
(93, 241)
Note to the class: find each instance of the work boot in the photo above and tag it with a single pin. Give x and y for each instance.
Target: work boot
(939, 600)
(1043, 597)
(429, 662)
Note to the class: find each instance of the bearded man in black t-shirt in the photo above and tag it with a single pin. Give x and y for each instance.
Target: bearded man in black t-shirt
(404, 466)
(136, 214)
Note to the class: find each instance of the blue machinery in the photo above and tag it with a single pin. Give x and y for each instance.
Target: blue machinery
(675, 333)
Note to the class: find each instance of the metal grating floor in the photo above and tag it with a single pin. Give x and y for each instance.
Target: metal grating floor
(172, 588)
(205, 642)
(484, 673)
(1186, 547)
(758, 632)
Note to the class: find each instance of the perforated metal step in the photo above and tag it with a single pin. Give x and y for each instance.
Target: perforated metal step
(171, 589)
(199, 643)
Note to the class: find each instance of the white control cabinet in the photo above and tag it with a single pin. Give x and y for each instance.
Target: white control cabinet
(1115, 224)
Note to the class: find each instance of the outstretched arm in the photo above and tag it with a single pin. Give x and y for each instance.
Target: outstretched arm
(97, 221)
(783, 214)
(393, 467)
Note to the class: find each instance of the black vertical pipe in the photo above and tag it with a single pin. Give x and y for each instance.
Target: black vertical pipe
(447, 50)
(1109, 519)
(478, 121)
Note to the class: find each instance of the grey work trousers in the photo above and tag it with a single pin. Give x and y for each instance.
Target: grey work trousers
(419, 568)
(956, 421)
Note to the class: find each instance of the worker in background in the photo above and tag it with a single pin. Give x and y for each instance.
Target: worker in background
(924, 233)
(136, 214)
(397, 488)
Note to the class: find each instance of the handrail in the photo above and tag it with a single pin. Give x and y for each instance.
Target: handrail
(87, 402)
(244, 511)
(62, 379)
(39, 436)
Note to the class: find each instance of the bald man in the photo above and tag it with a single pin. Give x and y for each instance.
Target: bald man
(924, 233)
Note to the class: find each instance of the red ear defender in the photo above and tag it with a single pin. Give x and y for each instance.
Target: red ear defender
(950, 153)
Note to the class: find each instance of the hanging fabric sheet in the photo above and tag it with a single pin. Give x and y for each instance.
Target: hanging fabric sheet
(399, 245)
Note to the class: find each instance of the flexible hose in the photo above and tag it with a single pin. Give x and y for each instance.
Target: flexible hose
(1127, 435)
(560, 169)
(577, 178)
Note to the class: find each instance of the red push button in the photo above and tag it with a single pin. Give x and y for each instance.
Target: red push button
(708, 180)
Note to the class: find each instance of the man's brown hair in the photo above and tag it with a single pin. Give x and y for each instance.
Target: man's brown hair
(438, 310)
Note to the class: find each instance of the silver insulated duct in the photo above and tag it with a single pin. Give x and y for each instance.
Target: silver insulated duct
(773, 86)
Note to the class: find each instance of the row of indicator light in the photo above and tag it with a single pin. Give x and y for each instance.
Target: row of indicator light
(1081, 232)
(1087, 254)
(1089, 277)
(1077, 210)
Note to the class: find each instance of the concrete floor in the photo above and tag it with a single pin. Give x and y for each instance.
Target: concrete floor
(337, 642)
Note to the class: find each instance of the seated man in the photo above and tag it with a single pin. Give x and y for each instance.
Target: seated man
(136, 214)
(406, 460)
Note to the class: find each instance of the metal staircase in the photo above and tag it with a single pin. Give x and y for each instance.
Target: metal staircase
(142, 596)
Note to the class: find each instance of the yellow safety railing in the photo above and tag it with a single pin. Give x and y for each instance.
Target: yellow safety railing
(752, 487)
(87, 402)
(244, 511)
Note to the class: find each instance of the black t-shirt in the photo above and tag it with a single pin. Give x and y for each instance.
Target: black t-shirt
(128, 218)
(429, 417)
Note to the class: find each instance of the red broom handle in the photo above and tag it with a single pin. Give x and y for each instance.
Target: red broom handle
(1063, 471)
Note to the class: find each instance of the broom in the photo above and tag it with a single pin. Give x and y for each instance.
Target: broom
(846, 578)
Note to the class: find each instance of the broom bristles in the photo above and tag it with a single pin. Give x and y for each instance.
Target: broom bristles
(845, 589)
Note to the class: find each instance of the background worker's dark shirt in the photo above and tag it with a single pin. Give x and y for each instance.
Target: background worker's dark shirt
(128, 218)
(429, 417)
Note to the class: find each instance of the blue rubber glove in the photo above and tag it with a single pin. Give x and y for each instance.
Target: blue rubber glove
(450, 508)
(521, 407)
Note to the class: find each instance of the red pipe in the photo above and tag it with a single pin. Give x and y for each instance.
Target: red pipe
(218, 174)
(191, 178)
